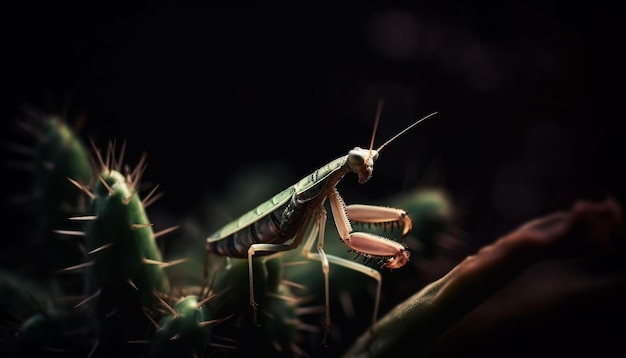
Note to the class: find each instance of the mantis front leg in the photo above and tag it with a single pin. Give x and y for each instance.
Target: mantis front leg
(391, 253)
(318, 232)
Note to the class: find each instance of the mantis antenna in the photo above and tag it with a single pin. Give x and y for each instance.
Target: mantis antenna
(402, 132)
(379, 109)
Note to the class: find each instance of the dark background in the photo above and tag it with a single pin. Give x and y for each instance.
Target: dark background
(529, 95)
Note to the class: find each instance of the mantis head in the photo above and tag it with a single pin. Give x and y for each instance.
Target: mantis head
(361, 161)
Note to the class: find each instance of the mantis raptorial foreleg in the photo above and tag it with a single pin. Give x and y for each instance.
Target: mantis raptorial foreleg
(366, 244)
(318, 232)
(380, 215)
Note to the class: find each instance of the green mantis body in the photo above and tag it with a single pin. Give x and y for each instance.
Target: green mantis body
(282, 223)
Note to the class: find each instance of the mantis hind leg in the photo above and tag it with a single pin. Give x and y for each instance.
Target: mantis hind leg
(275, 248)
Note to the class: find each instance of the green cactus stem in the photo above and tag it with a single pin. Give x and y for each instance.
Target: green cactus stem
(58, 330)
(56, 153)
(124, 266)
(186, 331)
(431, 211)
(277, 329)
(59, 154)
(34, 319)
(20, 297)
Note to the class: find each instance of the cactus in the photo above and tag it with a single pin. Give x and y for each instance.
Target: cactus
(56, 330)
(20, 297)
(37, 320)
(185, 332)
(432, 214)
(126, 271)
(132, 304)
(276, 332)
(57, 152)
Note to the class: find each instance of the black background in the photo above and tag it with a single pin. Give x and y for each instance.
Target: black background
(529, 96)
(208, 89)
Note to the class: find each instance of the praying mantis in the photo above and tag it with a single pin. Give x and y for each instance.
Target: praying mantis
(297, 214)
